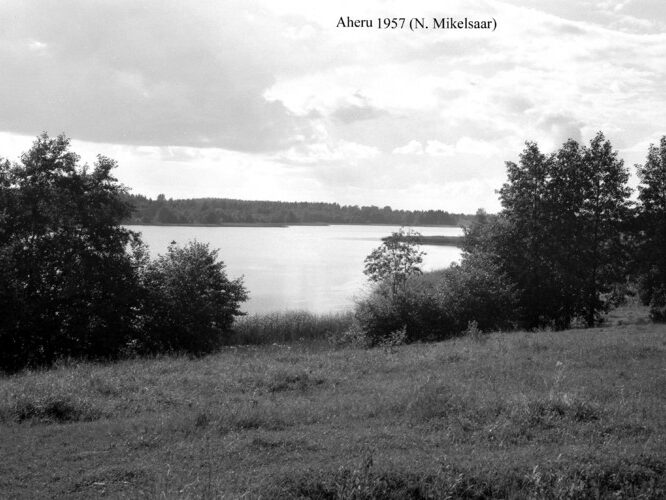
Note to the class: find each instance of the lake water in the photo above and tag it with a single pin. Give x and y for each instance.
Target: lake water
(312, 268)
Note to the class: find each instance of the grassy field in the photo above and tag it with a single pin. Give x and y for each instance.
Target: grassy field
(546, 414)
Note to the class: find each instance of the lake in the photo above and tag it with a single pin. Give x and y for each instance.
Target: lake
(312, 268)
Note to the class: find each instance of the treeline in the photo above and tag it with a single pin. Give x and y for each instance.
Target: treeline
(217, 211)
(568, 245)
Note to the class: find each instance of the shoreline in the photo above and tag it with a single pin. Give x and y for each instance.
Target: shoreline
(281, 224)
(443, 241)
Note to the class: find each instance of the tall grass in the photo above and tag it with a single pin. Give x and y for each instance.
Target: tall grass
(289, 326)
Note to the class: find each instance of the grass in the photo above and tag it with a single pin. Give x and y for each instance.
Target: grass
(288, 327)
(566, 414)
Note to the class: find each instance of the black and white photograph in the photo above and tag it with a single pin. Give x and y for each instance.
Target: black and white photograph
(332, 250)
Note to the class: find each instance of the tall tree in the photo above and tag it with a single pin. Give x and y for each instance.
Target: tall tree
(560, 234)
(67, 283)
(652, 229)
(602, 214)
(564, 199)
(523, 251)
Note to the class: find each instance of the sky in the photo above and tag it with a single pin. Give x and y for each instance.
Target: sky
(275, 101)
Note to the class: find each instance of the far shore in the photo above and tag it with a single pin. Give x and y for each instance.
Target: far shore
(282, 224)
(448, 241)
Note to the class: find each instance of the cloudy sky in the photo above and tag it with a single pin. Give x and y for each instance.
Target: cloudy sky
(270, 100)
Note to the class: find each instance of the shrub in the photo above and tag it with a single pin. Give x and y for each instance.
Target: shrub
(352, 336)
(441, 304)
(400, 302)
(413, 310)
(477, 291)
(658, 305)
(190, 302)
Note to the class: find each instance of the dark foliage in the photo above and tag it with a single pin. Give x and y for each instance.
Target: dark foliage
(413, 308)
(651, 231)
(562, 233)
(68, 286)
(477, 290)
(190, 302)
(75, 283)
(558, 250)
(441, 305)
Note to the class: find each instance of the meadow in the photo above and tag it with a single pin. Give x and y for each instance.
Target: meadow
(576, 413)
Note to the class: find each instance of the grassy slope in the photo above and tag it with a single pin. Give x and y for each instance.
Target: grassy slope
(521, 412)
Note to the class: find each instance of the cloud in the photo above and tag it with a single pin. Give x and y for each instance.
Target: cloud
(354, 113)
(438, 148)
(325, 153)
(150, 73)
(411, 148)
(560, 128)
(228, 96)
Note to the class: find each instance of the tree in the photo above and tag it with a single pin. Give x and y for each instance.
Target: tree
(395, 260)
(67, 286)
(602, 213)
(392, 306)
(523, 252)
(564, 199)
(191, 303)
(561, 234)
(651, 254)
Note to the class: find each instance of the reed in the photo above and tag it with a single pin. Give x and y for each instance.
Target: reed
(287, 327)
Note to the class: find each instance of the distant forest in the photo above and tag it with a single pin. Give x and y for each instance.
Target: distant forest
(216, 211)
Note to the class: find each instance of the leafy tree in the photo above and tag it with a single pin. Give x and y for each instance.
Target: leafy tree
(67, 286)
(191, 303)
(651, 255)
(395, 260)
(524, 249)
(561, 234)
(392, 306)
(564, 240)
(602, 214)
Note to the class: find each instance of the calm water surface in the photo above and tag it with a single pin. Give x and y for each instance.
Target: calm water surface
(312, 268)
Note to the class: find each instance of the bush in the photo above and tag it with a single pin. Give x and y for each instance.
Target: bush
(658, 305)
(652, 293)
(413, 309)
(477, 291)
(442, 304)
(190, 303)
